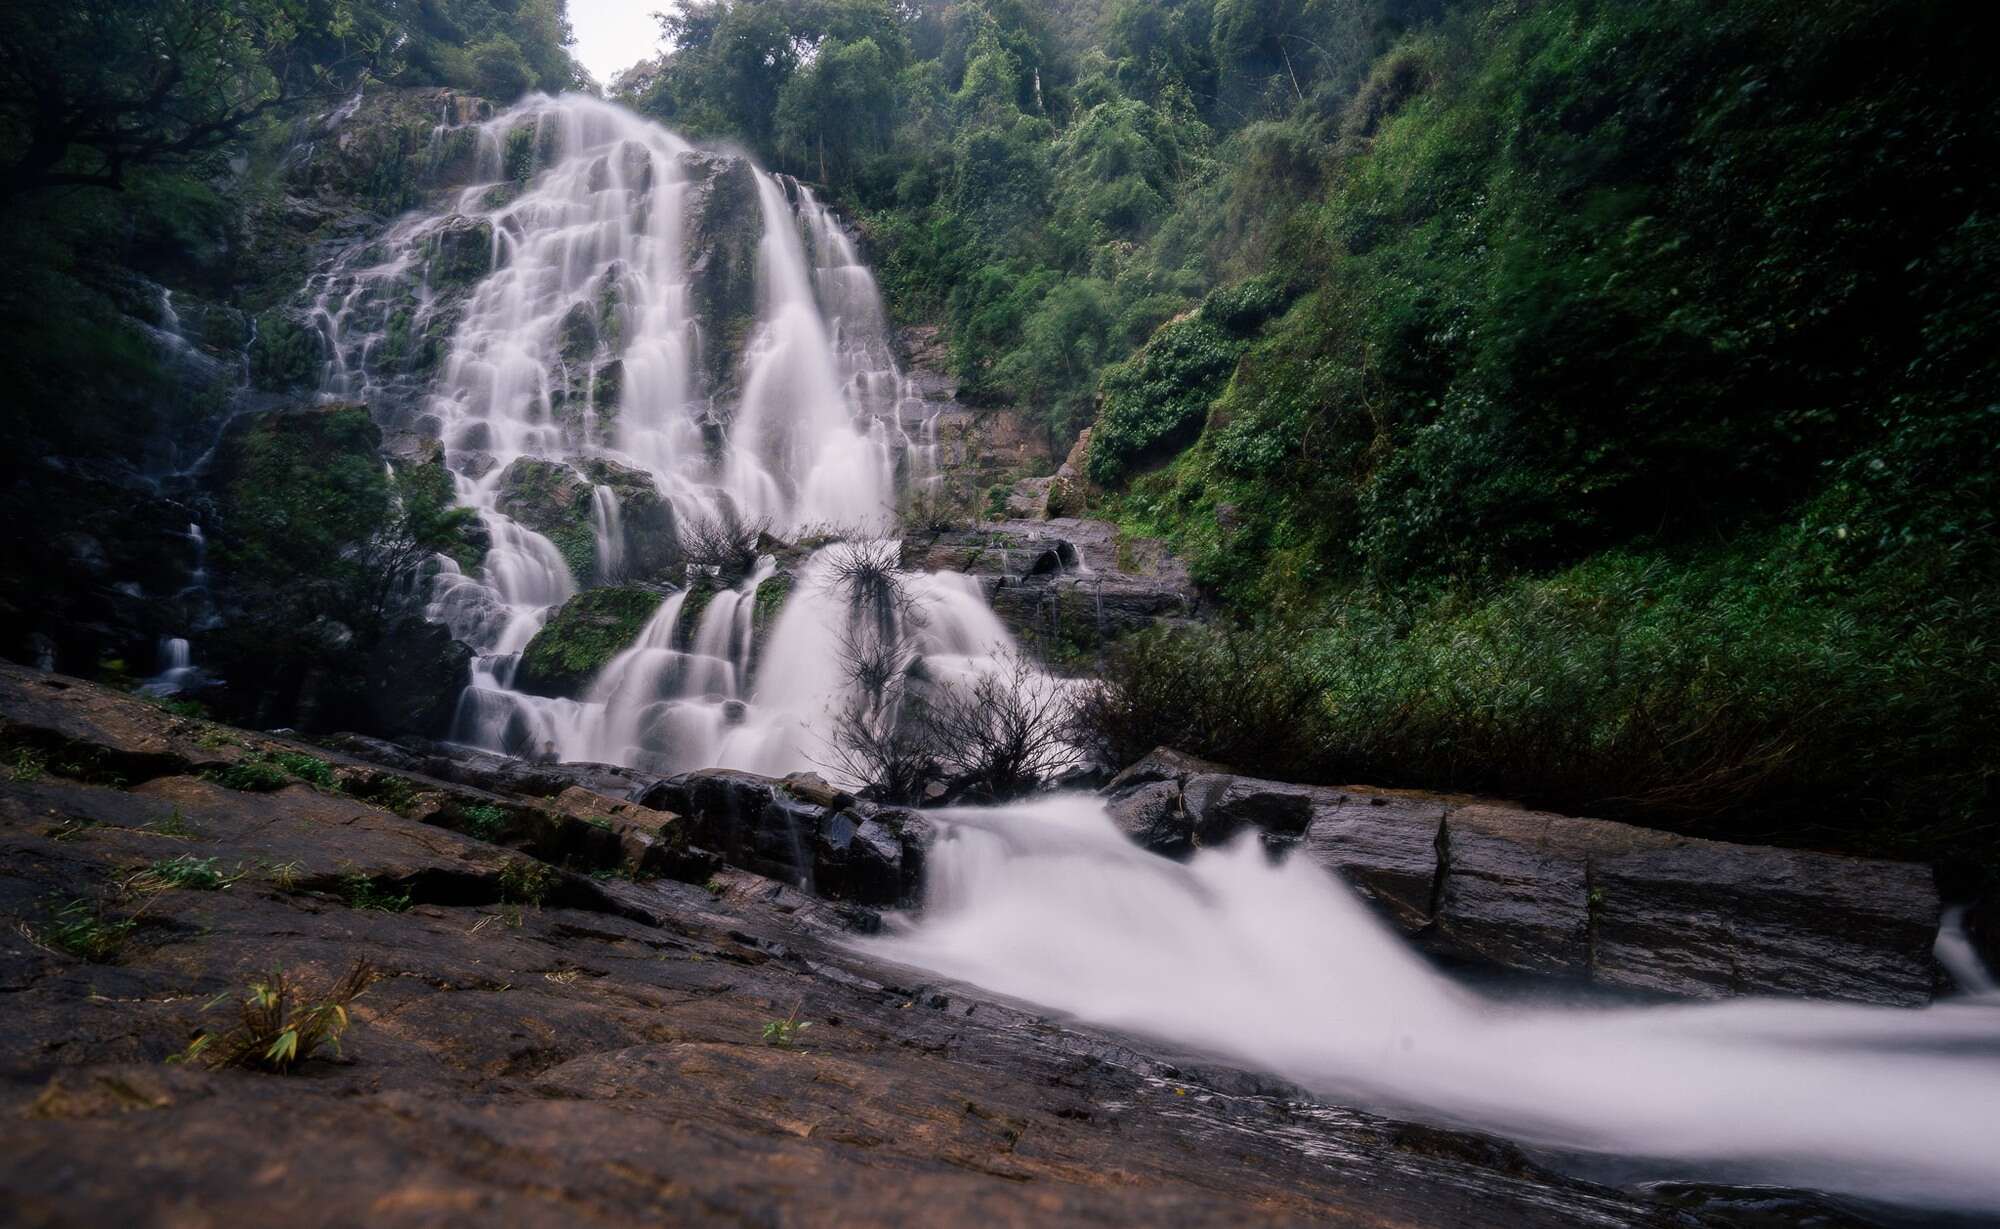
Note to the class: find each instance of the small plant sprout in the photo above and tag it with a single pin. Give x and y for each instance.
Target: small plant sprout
(28, 765)
(278, 1026)
(364, 892)
(785, 1033)
(79, 929)
(187, 872)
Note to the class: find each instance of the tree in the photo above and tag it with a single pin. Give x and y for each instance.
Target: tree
(91, 90)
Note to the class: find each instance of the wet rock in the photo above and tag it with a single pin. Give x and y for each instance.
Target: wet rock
(1385, 845)
(724, 229)
(1064, 587)
(581, 638)
(1069, 492)
(747, 819)
(1512, 903)
(1498, 885)
(460, 251)
(1161, 764)
(1220, 806)
(857, 858)
(650, 539)
(415, 673)
(496, 774)
(1712, 920)
(1152, 816)
(811, 787)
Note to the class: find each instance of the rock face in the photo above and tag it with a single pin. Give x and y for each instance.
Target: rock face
(545, 1046)
(724, 229)
(1618, 905)
(1066, 588)
(796, 831)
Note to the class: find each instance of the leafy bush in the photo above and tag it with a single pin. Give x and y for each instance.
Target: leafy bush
(1753, 694)
(1238, 696)
(1155, 402)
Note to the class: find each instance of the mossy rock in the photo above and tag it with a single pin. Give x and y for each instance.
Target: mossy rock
(460, 252)
(765, 608)
(592, 628)
(701, 591)
(553, 500)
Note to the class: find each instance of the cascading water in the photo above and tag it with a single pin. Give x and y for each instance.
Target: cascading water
(1283, 967)
(584, 347)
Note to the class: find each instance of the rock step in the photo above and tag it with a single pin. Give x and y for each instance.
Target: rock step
(1622, 906)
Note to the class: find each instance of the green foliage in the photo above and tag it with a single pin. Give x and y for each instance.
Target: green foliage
(308, 768)
(263, 773)
(279, 1025)
(1156, 402)
(174, 825)
(1769, 692)
(527, 882)
(321, 548)
(255, 774)
(484, 820)
(80, 928)
(29, 765)
(785, 1033)
(366, 892)
(186, 871)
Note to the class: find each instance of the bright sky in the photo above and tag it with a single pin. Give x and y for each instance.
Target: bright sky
(613, 35)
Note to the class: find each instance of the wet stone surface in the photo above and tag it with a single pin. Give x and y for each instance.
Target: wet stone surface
(554, 1040)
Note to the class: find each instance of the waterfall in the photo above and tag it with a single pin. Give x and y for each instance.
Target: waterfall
(584, 354)
(1281, 966)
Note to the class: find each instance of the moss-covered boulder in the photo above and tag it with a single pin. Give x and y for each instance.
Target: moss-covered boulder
(592, 628)
(765, 607)
(460, 251)
(553, 500)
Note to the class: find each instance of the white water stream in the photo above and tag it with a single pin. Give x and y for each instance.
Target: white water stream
(1283, 968)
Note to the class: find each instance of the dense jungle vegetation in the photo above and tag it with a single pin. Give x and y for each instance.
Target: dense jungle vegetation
(1590, 401)
(1585, 400)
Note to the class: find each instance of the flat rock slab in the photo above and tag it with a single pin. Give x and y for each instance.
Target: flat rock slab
(604, 1060)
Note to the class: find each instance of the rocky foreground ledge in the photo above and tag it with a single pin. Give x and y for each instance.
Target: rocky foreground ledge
(575, 1012)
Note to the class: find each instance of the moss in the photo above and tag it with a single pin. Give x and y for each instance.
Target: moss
(701, 592)
(590, 629)
(553, 500)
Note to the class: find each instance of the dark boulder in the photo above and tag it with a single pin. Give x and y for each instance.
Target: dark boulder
(1498, 885)
(1162, 764)
(1152, 816)
(414, 676)
(857, 858)
(1221, 806)
(1385, 845)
